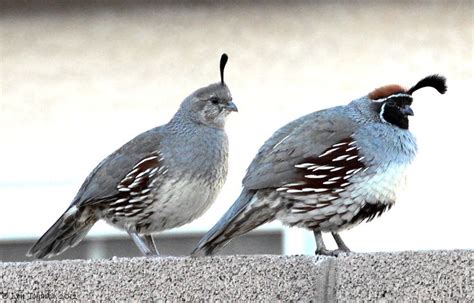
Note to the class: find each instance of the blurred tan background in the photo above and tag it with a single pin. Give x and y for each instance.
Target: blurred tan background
(79, 79)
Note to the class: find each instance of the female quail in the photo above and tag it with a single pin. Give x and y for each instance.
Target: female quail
(161, 179)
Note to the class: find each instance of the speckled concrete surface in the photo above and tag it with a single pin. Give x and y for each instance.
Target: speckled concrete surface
(404, 276)
(241, 278)
(446, 276)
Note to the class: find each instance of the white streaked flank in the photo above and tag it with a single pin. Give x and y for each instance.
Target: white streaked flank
(328, 152)
(315, 176)
(340, 158)
(304, 165)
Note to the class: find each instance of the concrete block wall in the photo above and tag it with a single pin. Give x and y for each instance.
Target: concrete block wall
(401, 276)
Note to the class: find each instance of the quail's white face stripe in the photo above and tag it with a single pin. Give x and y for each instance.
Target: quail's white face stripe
(382, 110)
(393, 96)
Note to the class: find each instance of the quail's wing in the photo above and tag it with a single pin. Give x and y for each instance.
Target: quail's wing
(307, 152)
(127, 173)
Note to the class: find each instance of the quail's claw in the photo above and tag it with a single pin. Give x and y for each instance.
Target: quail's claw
(331, 253)
(322, 250)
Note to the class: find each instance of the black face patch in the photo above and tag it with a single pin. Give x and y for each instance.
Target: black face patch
(394, 110)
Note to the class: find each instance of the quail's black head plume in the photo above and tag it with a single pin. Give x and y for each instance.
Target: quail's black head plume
(224, 59)
(436, 81)
(161, 179)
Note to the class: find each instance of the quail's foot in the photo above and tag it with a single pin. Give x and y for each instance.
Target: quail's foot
(331, 253)
(321, 247)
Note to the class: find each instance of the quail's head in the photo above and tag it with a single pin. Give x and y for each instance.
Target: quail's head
(392, 103)
(210, 105)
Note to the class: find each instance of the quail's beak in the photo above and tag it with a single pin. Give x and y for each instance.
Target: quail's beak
(231, 107)
(406, 110)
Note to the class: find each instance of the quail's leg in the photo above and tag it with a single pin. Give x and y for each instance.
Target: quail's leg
(141, 244)
(340, 244)
(151, 244)
(321, 248)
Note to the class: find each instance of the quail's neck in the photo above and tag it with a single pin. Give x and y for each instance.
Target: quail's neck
(185, 118)
(184, 125)
(198, 144)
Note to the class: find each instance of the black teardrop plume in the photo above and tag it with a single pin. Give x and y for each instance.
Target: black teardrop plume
(436, 81)
(224, 59)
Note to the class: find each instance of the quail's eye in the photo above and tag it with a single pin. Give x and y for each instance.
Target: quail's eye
(214, 100)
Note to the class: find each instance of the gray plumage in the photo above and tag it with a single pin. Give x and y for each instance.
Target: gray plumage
(327, 171)
(163, 178)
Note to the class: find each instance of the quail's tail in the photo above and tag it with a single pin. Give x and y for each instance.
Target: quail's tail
(67, 232)
(243, 216)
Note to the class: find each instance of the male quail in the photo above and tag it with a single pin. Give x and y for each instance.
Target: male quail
(329, 170)
(161, 179)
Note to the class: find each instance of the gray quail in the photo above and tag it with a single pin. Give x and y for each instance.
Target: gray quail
(161, 179)
(329, 170)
